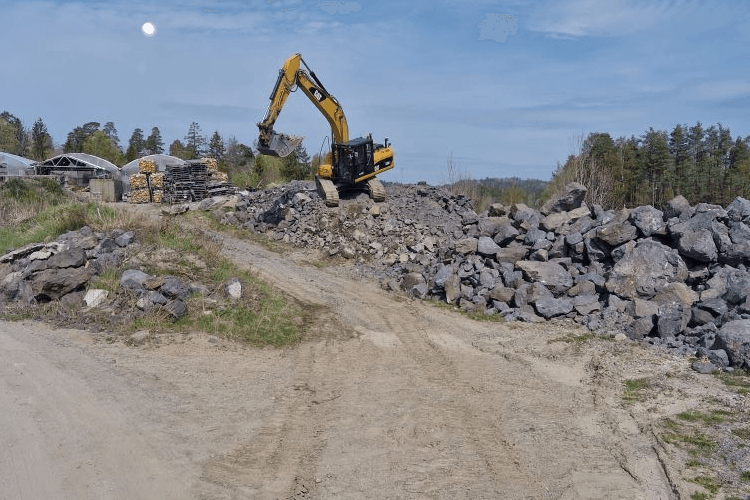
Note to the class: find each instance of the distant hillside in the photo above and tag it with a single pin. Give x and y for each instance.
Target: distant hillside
(506, 190)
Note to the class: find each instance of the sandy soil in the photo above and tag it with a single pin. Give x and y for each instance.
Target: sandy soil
(390, 398)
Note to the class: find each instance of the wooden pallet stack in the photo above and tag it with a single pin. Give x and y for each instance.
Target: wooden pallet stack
(194, 181)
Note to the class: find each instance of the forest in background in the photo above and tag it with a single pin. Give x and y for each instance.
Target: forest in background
(703, 164)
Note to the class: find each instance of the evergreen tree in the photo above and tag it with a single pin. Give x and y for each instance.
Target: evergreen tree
(111, 132)
(76, 137)
(195, 142)
(41, 141)
(135, 145)
(14, 137)
(154, 142)
(178, 150)
(216, 146)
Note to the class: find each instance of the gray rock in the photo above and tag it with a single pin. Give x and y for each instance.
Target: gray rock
(551, 307)
(132, 279)
(616, 233)
(173, 288)
(584, 287)
(551, 274)
(673, 319)
(441, 276)
(648, 220)
(586, 304)
(734, 338)
(739, 210)
(704, 367)
(175, 308)
(125, 239)
(486, 246)
(554, 221)
(73, 257)
(678, 207)
(233, 288)
(466, 246)
(139, 337)
(571, 198)
(534, 235)
(502, 293)
(698, 245)
(95, 297)
(649, 267)
(739, 233)
(415, 285)
(511, 254)
(489, 226)
(54, 283)
(505, 234)
(497, 210)
(641, 327)
(573, 238)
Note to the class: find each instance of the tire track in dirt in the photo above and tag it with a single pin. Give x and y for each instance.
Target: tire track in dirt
(432, 416)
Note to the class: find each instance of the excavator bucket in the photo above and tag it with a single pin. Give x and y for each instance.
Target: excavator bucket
(280, 145)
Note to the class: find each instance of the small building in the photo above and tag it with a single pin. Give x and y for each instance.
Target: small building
(15, 166)
(79, 168)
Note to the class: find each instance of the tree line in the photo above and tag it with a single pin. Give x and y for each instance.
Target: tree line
(703, 164)
(235, 158)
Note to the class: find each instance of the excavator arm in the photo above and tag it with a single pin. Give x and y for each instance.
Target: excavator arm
(291, 76)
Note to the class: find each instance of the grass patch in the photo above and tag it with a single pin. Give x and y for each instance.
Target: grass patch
(694, 463)
(707, 482)
(108, 280)
(635, 388)
(745, 476)
(742, 433)
(699, 443)
(715, 417)
(738, 380)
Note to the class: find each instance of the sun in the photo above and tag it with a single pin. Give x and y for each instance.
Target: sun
(148, 29)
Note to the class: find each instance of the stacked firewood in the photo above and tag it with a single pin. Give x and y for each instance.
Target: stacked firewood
(147, 186)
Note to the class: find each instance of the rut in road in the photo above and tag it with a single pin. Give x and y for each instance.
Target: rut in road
(420, 402)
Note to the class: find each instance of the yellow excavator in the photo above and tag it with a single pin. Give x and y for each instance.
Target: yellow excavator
(351, 164)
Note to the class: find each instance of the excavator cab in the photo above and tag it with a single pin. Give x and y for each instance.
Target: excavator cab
(353, 160)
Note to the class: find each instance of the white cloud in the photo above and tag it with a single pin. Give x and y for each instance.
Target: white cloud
(579, 18)
(339, 7)
(497, 27)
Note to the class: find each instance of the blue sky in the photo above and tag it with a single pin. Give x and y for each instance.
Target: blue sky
(508, 88)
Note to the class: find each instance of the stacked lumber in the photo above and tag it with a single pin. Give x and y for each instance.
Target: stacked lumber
(156, 180)
(139, 196)
(146, 166)
(138, 181)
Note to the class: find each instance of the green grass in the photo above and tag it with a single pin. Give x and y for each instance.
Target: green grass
(742, 433)
(694, 463)
(715, 417)
(745, 476)
(707, 482)
(107, 280)
(700, 444)
(738, 380)
(635, 388)
(698, 496)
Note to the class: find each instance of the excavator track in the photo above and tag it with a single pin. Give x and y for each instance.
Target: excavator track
(376, 189)
(327, 191)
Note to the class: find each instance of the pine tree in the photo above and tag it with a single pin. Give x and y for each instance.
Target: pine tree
(216, 146)
(41, 141)
(195, 142)
(76, 137)
(154, 143)
(111, 132)
(135, 145)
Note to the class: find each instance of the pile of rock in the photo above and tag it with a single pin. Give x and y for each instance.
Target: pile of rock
(63, 269)
(676, 277)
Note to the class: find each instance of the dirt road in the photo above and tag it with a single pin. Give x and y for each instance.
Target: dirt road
(391, 398)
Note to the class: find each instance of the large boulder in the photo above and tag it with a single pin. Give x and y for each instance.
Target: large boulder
(571, 197)
(550, 307)
(698, 245)
(487, 247)
(734, 339)
(616, 233)
(54, 283)
(648, 220)
(739, 210)
(554, 276)
(646, 270)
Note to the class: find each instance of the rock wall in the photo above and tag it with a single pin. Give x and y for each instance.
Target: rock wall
(676, 277)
